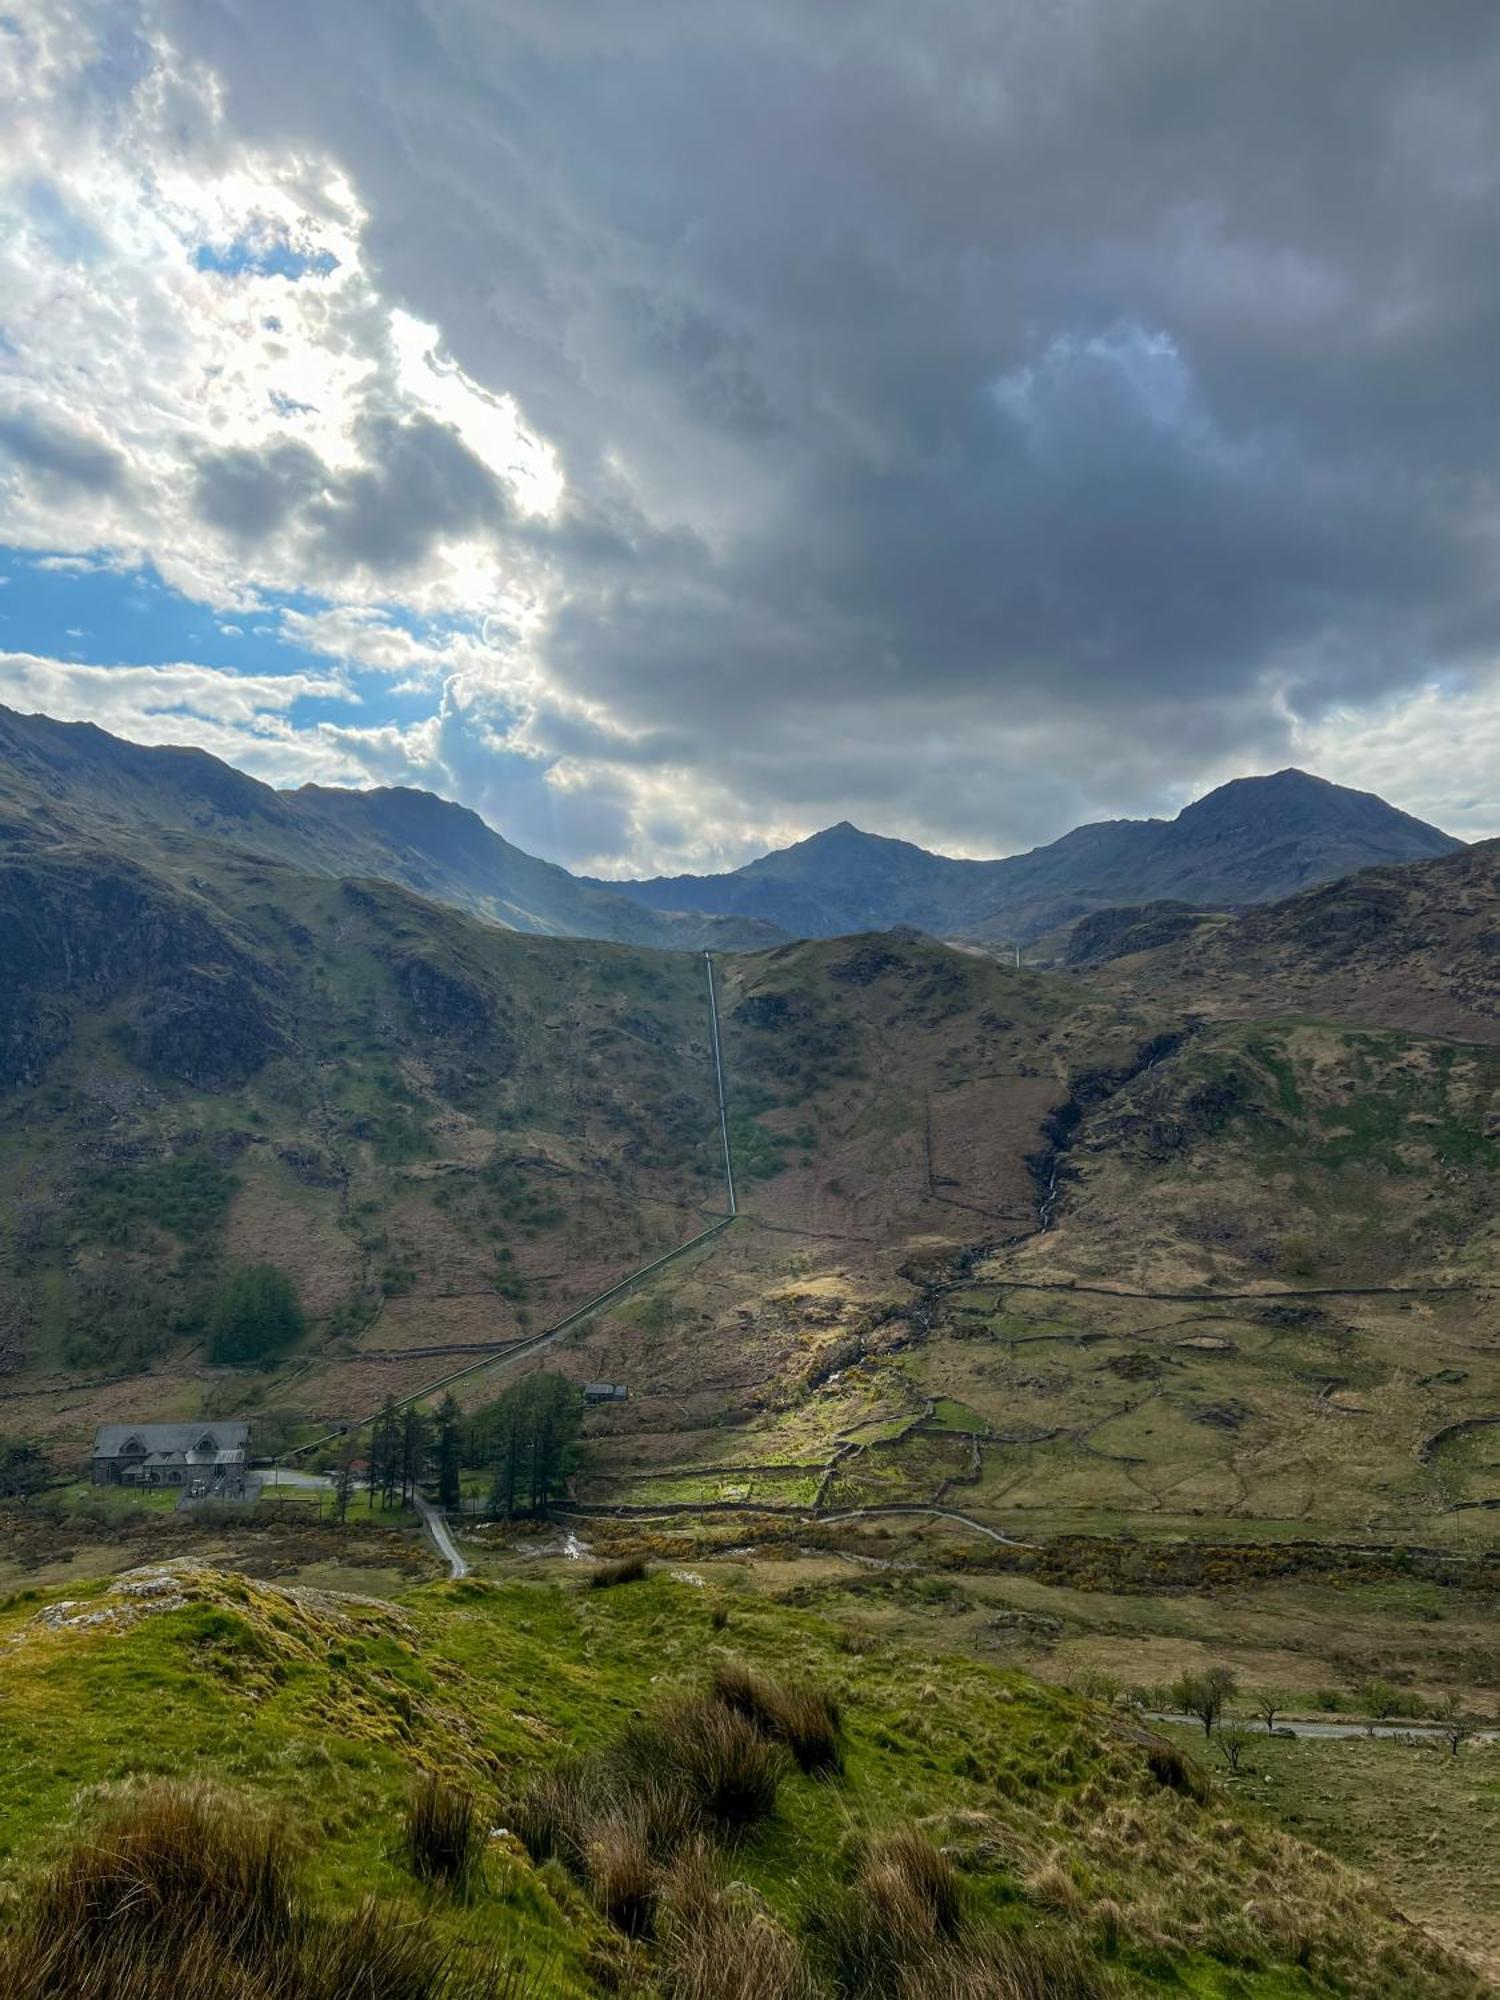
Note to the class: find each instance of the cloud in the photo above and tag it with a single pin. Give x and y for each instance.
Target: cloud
(249, 494)
(739, 417)
(59, 454)
(243, 718)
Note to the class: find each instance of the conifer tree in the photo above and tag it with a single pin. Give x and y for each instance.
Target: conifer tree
(385, 1453)
(411, 1450)
(449, 1486)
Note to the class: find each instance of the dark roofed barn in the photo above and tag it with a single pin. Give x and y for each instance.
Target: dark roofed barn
(605, 1392)
(210, 1456)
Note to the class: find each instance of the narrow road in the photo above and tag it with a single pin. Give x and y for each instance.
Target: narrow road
(433, 1520)
(882, 1508)
(436, 1525)
(1426, 1732)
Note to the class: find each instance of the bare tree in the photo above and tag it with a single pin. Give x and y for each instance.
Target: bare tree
(1268, 1707)
(1205, 1694)
(1455, 1730)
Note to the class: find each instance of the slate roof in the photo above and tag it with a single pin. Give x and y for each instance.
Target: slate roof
(176, 1441)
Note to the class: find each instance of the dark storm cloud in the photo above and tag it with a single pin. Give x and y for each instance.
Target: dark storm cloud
(59, 454)
(415, 484)
(250, 494)
(1056, 394)
(419, 484)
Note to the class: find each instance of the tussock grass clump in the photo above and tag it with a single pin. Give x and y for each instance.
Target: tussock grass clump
(183, 1890)
(617, 1819)
(444, 1834)
(171, 1861)
(913, 1885)
(629, 1569)
(720, 1943)
(900, 1931)
(622, 1872)
(713, 1755)
(1176, 1772)
(805, 1719)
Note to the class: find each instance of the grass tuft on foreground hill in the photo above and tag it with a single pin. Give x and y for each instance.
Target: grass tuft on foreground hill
(702, 1789)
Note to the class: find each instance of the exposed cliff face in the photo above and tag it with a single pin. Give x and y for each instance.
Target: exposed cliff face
(84, 931)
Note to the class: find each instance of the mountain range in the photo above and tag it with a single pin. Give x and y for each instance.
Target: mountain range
(73, 778)
(1252, 841)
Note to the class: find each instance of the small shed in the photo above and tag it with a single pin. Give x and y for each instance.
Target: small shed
(605, 1392)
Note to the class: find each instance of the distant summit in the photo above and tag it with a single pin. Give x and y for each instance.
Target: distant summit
(1253, 840)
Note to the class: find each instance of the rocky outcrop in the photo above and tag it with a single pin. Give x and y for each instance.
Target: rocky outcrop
(193, 1003)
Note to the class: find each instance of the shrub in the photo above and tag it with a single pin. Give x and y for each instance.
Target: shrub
(805, 1719)
(182, 1890)
(629, 1569)
(253, 1316)
(713, 1755)
(444, 1834)
(721, 1944)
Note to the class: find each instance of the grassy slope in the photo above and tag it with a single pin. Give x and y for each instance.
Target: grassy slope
(1262, 1159)
(454, 1132)
(324, 1705)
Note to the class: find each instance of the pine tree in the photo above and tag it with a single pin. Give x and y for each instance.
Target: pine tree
(529, 1435)
(343, 1485)
(412, 1451)
(385, 1453)
(504, 1433)
(449, 1486)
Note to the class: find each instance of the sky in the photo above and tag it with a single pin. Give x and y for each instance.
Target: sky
(670, 426)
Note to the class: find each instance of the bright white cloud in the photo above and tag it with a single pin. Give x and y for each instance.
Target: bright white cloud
(491, 426)
(243, 718)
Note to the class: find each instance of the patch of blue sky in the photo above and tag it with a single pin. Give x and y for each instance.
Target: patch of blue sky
(129, 617)
(263, 258)
(86, 610)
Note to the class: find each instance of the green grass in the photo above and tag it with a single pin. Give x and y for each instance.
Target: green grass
(322, 1709)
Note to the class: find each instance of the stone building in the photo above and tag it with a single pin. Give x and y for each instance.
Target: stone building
(209, 1458)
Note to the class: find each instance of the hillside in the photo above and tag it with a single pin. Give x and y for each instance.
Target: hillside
(441, 1131)
(69, 779)
(1409, 948)
(965, 1830)
(1251, 841)
(449, 1135)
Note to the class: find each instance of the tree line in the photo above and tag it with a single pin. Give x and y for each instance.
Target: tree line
(526, 1442)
